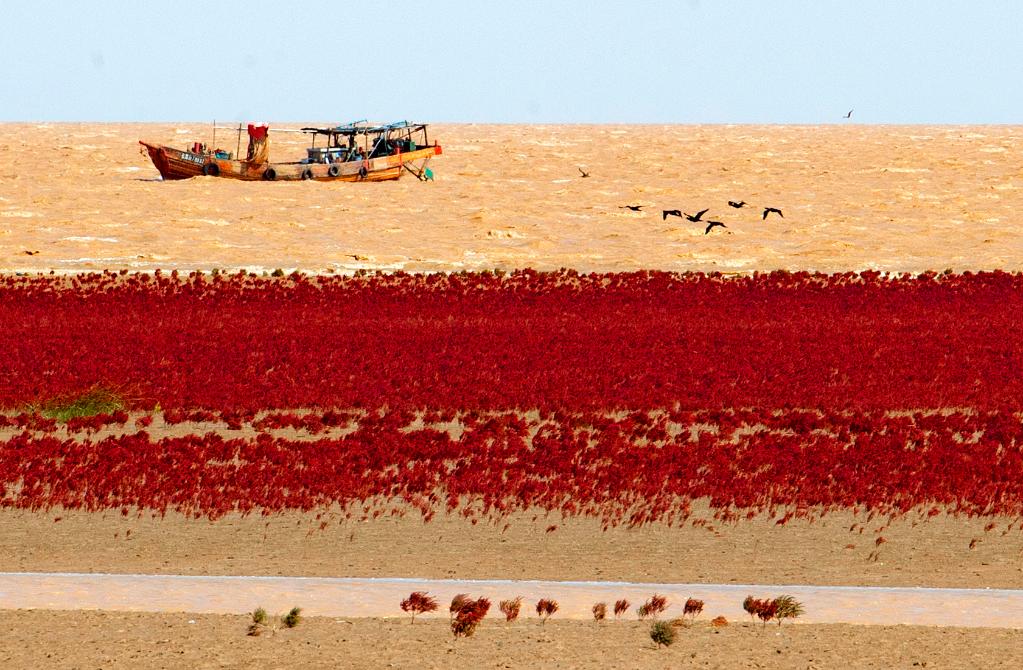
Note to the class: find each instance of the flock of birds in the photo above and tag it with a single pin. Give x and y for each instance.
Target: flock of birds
(698, 217)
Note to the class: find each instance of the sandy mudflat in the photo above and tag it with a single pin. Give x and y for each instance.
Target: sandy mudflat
(887, 197)
(36, 639)
(932, 553)
(81, 197)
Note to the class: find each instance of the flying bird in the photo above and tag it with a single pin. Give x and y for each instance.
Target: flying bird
(671, 212)
(737, 205)
(634, 208)
(849, 115)
(583, 172)
(768, 210)
(31, 253)
(696, 217)
(713, 224)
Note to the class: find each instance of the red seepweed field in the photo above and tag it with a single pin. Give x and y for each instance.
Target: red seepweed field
(625, 397)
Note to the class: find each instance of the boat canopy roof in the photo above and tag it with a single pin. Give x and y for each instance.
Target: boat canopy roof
(365, 128)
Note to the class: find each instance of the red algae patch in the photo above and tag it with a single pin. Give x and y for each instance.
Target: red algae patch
(622, 397)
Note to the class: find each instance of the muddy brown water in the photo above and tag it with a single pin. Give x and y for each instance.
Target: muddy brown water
(82, 197)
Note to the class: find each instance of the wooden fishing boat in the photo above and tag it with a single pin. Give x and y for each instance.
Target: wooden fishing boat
(353, 152)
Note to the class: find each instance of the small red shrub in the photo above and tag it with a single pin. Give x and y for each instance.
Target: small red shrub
(418, 603)
(545, 608)
(511, 608)
(469, 616)
(653, 607)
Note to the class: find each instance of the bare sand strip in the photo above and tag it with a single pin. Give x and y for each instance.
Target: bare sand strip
(356, 598)
(131, 640)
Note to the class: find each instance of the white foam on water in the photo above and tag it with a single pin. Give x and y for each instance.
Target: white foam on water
(76, 238)
(737, 262)
(549, 143)
(87, 259)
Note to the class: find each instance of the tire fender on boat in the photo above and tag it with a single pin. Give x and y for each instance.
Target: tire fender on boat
(334, 170)
(269, 174)
(363, 172)
(307, 173)
(211, 169)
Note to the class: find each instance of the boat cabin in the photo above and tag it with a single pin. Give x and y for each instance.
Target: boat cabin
(360, 141)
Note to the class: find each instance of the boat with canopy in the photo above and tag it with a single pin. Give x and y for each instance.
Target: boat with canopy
(358, 151)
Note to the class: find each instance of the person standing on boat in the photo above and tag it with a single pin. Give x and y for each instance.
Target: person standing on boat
(259, 144)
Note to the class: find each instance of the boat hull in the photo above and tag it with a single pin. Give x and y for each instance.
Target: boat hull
(177, 164)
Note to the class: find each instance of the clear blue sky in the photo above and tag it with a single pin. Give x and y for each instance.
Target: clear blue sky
(519, 61)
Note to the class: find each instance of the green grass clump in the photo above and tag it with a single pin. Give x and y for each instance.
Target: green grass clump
(259, 622)
(662, 634)
(95, 401)
(788, 608)
(291, 619)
